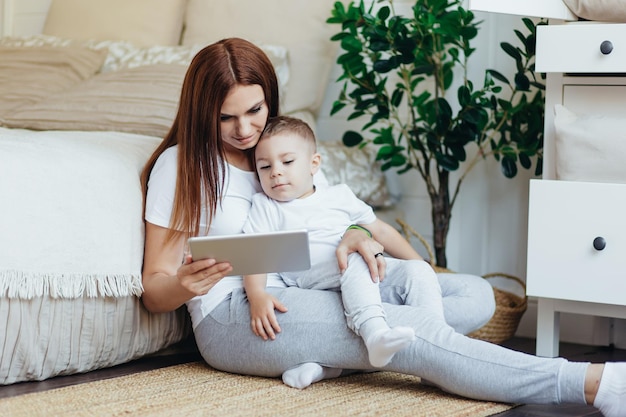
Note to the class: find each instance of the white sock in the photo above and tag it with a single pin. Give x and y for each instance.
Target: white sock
(611, 396)
(308, 373)
(384, 343)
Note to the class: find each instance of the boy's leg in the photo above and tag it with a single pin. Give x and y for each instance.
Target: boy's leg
(468, 300)
(412, 283)
(366, 316)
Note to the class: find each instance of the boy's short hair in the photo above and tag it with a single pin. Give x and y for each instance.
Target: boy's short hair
(286, 124)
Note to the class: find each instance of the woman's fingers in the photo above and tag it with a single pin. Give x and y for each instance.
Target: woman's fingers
(376, 264)
(381, 265)
(200, 276)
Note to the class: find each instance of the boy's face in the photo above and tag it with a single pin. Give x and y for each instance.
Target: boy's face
(286, 164)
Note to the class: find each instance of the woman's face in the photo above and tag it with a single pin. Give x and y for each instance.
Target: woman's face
(243, 118)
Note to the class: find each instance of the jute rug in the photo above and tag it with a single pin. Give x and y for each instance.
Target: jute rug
(194, 389)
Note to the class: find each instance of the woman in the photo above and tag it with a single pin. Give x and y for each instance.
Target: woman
(200, 180)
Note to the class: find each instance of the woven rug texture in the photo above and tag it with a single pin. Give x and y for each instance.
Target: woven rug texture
(194, 389)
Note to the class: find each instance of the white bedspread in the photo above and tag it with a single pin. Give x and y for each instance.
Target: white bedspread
(71, 213)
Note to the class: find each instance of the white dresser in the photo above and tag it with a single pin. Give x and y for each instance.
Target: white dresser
(576, 229)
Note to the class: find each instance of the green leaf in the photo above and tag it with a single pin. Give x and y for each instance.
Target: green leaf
(355, 115)
(511, 51)
(522, 82)
(447, 162)
(423, 69)
(458, 152)
(398, 160)
(530, 25)
(396, 97)
(337, 106)
(508, 167)
(498, 76)
(351, 44)
(539, 167)
(383, 66)
(506, 105)
(385, 152)
(525, 161)
(464, 95)
(352, 138)
(384, 13)
(381, 45)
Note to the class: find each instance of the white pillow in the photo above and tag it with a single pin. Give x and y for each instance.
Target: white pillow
(601, 10)
(143, 22)
(358, 168)
(590, 147)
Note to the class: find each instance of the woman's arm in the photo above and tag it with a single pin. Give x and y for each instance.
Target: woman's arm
(396, 245)
(170, 278)
(358, 241)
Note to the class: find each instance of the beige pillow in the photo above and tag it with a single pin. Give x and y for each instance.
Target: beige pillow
(126, 55)
(123, 54)
(358, 168)
(141, 100)
(601, 10)
(143, 22)
(299, 25)
(589, 147)
(27, 75)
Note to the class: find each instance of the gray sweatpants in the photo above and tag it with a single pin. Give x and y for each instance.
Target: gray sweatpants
(413, 281)
(314, 330)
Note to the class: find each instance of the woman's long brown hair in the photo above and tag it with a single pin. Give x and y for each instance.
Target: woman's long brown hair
(213, 72)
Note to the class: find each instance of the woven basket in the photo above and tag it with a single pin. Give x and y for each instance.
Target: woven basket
(509, 307)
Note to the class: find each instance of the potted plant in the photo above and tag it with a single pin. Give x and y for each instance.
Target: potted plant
(407, 77)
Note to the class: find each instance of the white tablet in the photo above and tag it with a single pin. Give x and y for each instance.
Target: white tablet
(256, 253)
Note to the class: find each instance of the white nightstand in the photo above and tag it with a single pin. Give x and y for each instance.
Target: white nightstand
(586, 66)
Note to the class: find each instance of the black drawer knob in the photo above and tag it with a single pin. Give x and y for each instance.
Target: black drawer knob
(599, 243)
(606, 47)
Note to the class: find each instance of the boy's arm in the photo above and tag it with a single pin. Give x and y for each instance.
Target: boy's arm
(395, 244)
(254, 285)
(262, 305)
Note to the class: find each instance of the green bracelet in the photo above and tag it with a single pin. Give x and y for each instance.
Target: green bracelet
(357, 227)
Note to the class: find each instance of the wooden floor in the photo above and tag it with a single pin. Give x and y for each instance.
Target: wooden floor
(186, 352)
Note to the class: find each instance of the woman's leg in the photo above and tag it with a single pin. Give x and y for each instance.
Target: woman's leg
(314, 330)
(468, 301)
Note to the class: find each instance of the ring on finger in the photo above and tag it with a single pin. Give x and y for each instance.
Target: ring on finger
(378, 254)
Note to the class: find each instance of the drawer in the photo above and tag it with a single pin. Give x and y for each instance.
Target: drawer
(598, 100)
(552, 9)
(564, 220)
(581, 47)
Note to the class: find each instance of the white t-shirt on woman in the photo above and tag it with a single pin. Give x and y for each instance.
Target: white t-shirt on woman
(229, 218)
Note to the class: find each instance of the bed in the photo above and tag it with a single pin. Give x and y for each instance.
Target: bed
(87, 90)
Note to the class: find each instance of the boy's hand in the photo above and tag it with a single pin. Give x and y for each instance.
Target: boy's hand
(262, 316)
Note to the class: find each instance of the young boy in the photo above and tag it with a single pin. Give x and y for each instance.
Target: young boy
(286, 161)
